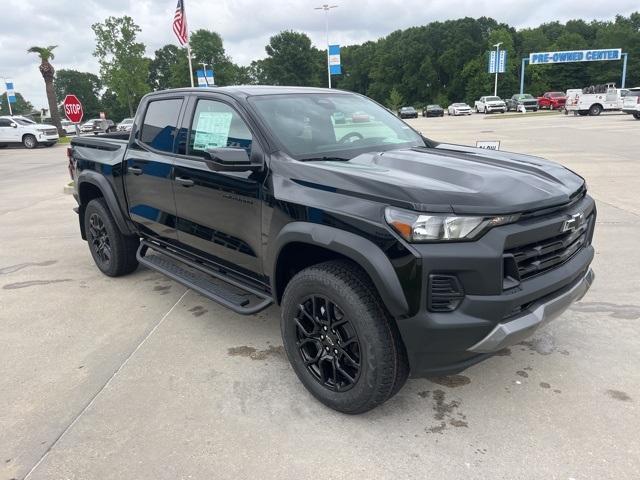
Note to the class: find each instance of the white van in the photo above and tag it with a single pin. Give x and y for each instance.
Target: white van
(18, 130)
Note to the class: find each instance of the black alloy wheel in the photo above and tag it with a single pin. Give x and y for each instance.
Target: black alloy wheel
(99, 239)
(328, 344)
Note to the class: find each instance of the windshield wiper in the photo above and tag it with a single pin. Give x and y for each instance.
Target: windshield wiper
(325, 159)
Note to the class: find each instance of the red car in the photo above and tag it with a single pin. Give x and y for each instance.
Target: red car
(552, 100)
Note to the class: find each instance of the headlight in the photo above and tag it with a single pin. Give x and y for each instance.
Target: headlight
(438, 227)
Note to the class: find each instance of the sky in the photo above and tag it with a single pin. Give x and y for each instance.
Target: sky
(245, 25)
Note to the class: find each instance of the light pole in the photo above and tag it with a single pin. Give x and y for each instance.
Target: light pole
(495, 88)
(326, 7)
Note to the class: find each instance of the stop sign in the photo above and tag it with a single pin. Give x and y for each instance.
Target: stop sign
(73, 108)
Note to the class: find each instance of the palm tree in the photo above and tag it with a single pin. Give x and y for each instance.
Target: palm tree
(47, 71)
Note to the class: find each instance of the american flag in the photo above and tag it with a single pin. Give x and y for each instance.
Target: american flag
(180, 24)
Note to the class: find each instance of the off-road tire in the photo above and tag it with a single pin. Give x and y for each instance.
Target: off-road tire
(122, 258)
(384, 366)
(29, 141)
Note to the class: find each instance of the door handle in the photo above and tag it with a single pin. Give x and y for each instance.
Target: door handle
(185, 182)
(135, 170)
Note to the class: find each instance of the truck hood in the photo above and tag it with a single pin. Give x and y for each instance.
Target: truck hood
(448, 178)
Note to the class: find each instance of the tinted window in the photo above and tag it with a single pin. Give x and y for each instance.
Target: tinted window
(633, 93)
(5, 122)
(216, 124)
(160, 123)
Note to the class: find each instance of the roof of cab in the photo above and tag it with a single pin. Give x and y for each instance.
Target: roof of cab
(250, 90)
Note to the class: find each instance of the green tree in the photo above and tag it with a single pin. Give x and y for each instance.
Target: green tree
(123, 66)
(47, 71)
(292, 60)
(19, 107)
(164, 68)
(84, 85)
(112, 107)
(394, 102)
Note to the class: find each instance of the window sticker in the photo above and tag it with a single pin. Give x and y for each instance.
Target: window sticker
(212, 130)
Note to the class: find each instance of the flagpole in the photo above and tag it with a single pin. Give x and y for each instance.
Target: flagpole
(190, 66)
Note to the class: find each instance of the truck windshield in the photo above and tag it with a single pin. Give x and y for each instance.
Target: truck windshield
(316, 125)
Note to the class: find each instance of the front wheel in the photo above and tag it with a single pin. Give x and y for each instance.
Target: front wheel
(341, 342)
(636, 116)
(29, 141)
(113, 252)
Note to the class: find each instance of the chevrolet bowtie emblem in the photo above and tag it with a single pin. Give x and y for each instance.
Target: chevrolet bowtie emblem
(574, 222)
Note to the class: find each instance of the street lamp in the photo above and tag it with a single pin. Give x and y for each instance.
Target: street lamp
(326, 7)
(495, 88)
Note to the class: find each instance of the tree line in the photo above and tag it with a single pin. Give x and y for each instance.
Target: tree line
(441, 62)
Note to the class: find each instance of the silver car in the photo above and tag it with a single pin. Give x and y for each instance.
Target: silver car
(125, 125)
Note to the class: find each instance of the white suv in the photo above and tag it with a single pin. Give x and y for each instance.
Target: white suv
(18, 130)
(631, 102)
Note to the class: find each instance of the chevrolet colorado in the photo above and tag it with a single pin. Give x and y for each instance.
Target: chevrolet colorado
(389, 254)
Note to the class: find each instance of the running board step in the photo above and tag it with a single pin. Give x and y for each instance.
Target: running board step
(214, 285)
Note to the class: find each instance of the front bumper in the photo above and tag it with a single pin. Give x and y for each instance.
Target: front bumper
(45, 138)
(514, 331)
(493, 314)
(496, 108)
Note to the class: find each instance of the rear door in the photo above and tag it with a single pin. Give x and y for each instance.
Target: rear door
(149, 168)
(219, 213)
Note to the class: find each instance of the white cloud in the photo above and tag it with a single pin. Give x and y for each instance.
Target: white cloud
(245, 25)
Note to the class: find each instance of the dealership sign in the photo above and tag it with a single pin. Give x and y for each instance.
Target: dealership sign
(575, 56)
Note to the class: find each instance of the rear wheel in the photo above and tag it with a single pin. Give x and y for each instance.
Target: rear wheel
(341, 342)
(113, 252)
(29, 141)
(636, 116)
(595, 110)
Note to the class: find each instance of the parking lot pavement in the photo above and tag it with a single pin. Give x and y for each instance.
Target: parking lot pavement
(138, 378)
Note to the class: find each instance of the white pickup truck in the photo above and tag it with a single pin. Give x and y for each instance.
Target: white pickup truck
(490, 104)
(581, 103)
(17, 130)
(631, 104)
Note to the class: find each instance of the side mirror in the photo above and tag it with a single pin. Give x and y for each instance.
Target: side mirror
(229, 159)
(14, 125)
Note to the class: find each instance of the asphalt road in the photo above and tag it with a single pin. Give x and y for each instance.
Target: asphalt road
(139, 378)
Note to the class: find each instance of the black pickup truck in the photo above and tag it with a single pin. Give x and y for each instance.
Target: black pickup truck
(388, 253)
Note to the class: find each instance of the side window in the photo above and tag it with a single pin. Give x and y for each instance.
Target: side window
(159, 124)
(216, 124)
(5, 122)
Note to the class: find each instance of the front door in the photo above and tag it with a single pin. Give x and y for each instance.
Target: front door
(149, 169)
(219, 212)
(8, 132)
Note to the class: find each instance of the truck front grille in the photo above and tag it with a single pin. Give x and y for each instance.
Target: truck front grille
(539, 257)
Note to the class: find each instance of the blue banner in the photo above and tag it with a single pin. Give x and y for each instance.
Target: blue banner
(11, 94)
(334, 60)
(205, 79)
(497, 60)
